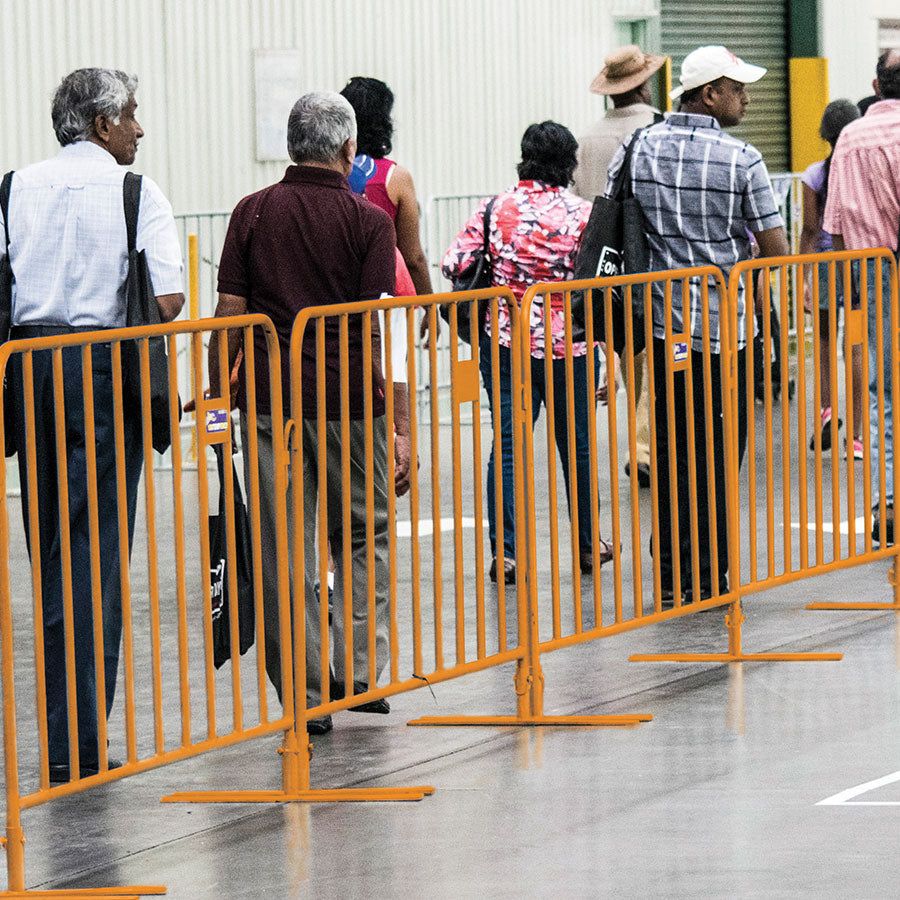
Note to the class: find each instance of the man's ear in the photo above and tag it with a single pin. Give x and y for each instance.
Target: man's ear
(708, 96)
(876, 87)
(101, 128)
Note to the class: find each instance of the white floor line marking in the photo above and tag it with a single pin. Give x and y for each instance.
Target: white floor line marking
(844, 798)
(426, 526)
(828, 527)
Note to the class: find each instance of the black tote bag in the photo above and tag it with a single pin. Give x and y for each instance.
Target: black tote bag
(6, 285)
(218, 572)
(141, 309)
(479, 274)
(614, 242)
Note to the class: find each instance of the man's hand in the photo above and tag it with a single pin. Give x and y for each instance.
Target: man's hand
(402, 453)
(425, 330)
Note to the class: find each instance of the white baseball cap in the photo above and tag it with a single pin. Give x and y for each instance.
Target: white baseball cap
(706, 64)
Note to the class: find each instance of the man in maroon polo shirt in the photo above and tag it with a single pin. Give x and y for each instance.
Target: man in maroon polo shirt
(309, 241)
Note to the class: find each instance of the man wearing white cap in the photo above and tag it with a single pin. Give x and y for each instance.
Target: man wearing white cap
(702, 192)
(624, 78)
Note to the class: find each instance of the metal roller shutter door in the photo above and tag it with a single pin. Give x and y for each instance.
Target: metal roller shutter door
(757, 31)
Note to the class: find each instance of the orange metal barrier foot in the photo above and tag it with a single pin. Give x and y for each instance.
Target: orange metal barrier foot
(735, 657)
(326, 795)
(534, 721)
(850, 605)
(132, 892)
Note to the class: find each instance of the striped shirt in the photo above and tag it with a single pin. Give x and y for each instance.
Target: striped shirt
(864, 186)
(702, 192)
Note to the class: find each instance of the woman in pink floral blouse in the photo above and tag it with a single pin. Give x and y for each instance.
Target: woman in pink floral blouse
(535, 230)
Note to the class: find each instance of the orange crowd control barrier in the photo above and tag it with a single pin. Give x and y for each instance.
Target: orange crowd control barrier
(80, 457)
(812, 507)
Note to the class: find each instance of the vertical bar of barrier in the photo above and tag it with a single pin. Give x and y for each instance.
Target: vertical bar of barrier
(34, 531)
(416, 563)
(15, 837)
(434, 425)
(499, 521)
(390, 463)
(866, 413)
(833, 378)
(184, 685)
(251, 457)
(672, 439)
(817, 406)
(612, 419)
(687, 302)
(549, 406)
(90, 452)
(322, 531)
(850, 430)
(750, 413)
(593, 454)
(370, 500)
(766, 275)
(481, 638)
(347, 585)
(62, 478)
(237, 711)
(802, 474)
(878, 279)
(124, 556)
(785, 418)
(152, 555)
(458, 588)
(194, 313)
(711, 494)
(571, 462)
(654, 461)
(894, 301)
(203, 516)
(632, 452)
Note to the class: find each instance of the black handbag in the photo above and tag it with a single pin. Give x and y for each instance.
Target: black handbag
(141, 309)
(218, 572)
(614, 242)
(478, 275)
(6, 285)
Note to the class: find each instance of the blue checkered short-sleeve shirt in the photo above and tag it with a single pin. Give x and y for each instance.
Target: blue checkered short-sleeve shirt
(702, 192)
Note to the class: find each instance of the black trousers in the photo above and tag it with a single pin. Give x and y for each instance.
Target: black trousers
(695, 420)
(45, 504)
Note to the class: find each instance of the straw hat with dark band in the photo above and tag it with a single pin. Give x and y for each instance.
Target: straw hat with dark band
(625, 69)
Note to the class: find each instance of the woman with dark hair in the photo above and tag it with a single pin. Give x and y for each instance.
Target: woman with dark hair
(535, 230)
(837, 115)
(382, 181)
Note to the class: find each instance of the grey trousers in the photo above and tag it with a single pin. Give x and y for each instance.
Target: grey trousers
(331, 494)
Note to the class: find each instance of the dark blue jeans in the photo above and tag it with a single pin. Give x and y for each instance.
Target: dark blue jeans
(560, 418)
(46, 506)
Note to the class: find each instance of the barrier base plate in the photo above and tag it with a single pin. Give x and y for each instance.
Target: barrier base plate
(735, 657)
(850, 605)
(335, 795)
(131, 892)
(535, 721)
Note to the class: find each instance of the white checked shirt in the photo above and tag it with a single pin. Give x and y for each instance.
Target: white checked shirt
(68, 246)
(702, 193)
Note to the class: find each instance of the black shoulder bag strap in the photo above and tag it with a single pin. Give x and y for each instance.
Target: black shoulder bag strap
(5, 190)
(7, 273)
(622, 189)
(486, 224)
(131, 195)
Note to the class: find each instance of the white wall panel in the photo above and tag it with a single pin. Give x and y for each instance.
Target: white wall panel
(850, 42)
(468, 76)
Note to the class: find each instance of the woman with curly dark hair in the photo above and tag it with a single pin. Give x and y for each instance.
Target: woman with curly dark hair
(384, 182)
(535, 231)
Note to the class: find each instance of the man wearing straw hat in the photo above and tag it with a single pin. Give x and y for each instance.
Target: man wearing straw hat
(702, 194)
(625, 79)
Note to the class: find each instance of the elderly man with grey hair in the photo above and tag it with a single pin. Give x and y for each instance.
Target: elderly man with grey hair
(306, 241)
(67, 247)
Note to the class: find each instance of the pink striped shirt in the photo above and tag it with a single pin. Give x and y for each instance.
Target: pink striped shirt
(864, 187)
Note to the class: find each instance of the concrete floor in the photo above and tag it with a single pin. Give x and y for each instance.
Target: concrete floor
(716, 797)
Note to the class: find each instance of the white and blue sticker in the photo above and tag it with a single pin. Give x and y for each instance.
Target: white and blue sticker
(216, 421)
(680, 351)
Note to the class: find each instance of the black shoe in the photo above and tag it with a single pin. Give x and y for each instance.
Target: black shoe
(379, 706)
(509, 570)
(888, 525)
(667, 598)
(319, 726)
(643, 475)
(60, 774)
